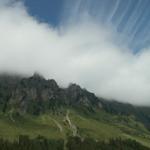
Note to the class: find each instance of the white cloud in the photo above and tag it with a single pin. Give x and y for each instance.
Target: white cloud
(86, 53)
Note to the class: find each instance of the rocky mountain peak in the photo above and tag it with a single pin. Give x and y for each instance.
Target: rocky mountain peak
(36, 94)
(74, 88)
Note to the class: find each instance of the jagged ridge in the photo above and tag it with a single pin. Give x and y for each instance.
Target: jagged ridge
(36, 95)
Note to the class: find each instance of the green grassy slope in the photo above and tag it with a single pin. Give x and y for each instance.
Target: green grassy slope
(100, 126)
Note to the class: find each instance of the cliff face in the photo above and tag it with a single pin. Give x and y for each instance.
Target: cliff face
(36, 94)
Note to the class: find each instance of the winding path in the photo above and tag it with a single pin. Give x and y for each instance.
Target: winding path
(58, 125)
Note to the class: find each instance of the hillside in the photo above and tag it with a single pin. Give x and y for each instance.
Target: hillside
(100, 126)
(35, 106)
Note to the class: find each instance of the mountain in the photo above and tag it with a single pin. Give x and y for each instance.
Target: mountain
(36, 95)
(35, 106)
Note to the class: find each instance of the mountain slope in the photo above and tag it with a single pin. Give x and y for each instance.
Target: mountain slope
(103, 127)
(35, 106)
(36, 95)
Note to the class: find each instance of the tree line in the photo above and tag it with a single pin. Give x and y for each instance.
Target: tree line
(73, 143)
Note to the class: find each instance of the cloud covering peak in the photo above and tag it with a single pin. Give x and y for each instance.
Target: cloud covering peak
(85, 52)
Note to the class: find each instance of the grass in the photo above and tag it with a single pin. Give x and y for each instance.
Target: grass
(32, 126)
(100, 126)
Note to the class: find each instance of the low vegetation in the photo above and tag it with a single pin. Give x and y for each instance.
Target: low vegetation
(73, 143)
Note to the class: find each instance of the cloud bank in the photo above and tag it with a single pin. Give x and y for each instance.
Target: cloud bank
(83, 52)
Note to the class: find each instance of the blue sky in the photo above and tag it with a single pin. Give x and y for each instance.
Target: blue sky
(45, 10)
(131, 18)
